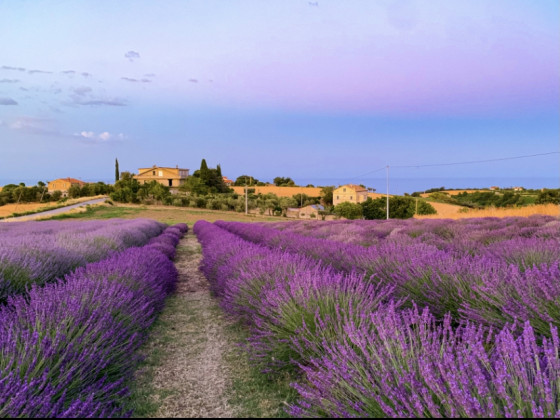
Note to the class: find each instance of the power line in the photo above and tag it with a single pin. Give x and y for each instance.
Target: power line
(474, 161)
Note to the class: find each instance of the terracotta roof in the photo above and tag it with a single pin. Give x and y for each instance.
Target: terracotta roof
(354, 187)
(70, 180)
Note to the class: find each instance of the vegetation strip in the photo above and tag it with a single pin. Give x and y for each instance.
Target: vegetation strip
(362, 349)
(68, 348)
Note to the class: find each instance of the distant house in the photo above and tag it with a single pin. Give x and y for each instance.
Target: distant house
(494, 188)
(351, 193)
(170, 177)
(227, 181)
(64, 184)
(307, 212)
(518, 188)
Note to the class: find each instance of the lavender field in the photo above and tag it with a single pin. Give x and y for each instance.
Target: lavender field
(79, 298)
(399, 318)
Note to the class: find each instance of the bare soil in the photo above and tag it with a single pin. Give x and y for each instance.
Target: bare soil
(190, 377)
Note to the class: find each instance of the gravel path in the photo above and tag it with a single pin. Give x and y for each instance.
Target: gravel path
(190, 377)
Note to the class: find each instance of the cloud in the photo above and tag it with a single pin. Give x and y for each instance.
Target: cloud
(86, 74)
(68, 72)
(7, 101)
(132, 55)
(12, 68)
(193, 80)
(150, 75)
(81, 90)
(108, 102)
(39, 71)
(82, 95)
(130, 79)
(105, 136)
(9, 81)
(34, 125)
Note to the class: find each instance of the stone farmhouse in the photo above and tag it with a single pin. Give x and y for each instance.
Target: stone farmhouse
(351, 193)
(63, 185)
(170, 177)
(307, 212)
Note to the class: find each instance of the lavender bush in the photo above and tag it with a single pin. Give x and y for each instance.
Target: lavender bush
(68, 347)
(39, 252)
(345, 312)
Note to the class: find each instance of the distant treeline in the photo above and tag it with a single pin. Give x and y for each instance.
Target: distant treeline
(483, 199)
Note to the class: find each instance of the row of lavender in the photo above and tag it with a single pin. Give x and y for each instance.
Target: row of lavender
(513, 279)
(40, 252)
(68, 348)
(363, 347)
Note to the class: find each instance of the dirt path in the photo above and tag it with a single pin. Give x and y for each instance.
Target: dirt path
(186, 375)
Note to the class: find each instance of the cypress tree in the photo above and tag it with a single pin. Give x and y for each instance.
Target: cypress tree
(116, 170)
(219, 169)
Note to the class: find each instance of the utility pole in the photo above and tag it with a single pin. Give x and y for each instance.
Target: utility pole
(387, 192)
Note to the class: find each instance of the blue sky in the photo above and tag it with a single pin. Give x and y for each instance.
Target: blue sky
(324, 89)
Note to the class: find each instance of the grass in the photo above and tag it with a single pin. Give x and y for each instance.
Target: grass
(253, 393)
(166, 214)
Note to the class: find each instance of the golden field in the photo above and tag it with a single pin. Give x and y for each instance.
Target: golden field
(282, 191)
(9, 209)
(546, 209)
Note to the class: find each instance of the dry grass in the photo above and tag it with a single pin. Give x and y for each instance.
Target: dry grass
(444, 210)
(9, 209)
(546, 209)
(165, 214)
(282, 191)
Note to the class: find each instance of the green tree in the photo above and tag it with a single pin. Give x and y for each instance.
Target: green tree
(116, 170)
(348, 210)
(374, 209)
(548, 196)
(283, 182)
(243, 180)
(327, 196)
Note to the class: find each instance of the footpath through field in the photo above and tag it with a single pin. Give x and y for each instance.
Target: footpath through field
(185, 374)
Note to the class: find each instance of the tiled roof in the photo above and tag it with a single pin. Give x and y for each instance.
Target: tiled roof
(354, 187)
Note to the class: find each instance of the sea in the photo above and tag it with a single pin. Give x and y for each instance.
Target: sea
(397, 185)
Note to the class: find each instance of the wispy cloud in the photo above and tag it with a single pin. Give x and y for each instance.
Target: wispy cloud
(100, 102)
(130, 79)
(7, 101)
(193, 80)
(9, 81)
(12, 68)
(81, 90)
(33, 125)
(86, 74)
(83, 95)
(71, 72)
(132, 55)
(39, 71)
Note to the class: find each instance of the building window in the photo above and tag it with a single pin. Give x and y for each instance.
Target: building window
(337, 197)
(344, 190)
(154, 173)
(160, 173)
(350, 197)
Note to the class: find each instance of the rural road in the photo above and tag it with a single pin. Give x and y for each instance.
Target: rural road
(52, 212)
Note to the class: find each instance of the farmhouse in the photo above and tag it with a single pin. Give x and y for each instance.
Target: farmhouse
(351, 193)
(518, 188)
(64, 184)
(227, 181)
(494, 188)
(170, 177)
(307, 212)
